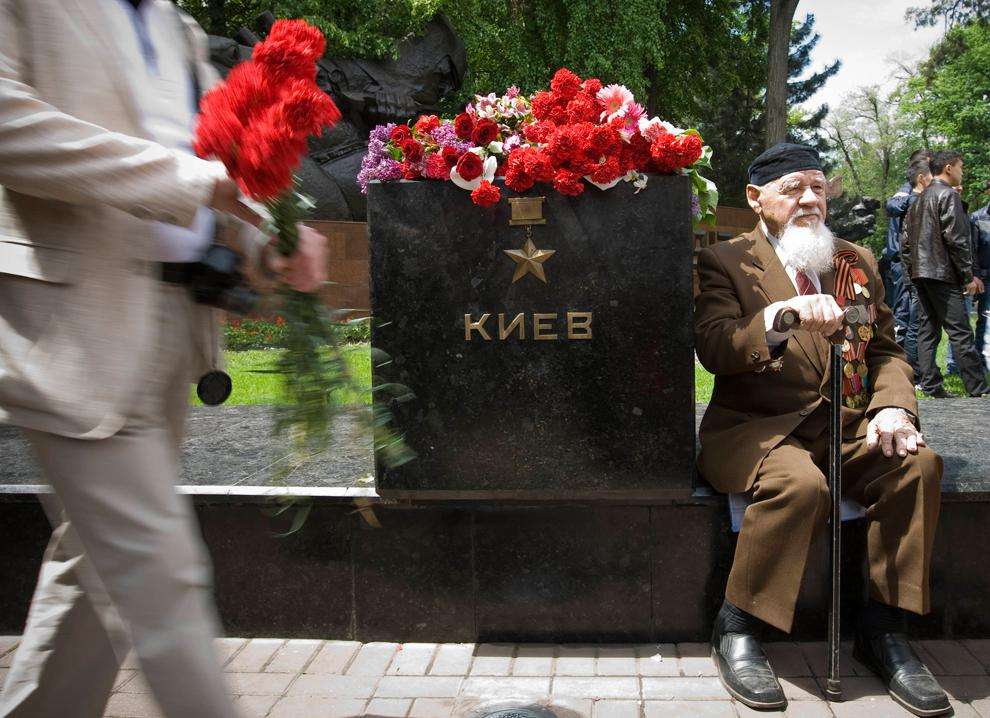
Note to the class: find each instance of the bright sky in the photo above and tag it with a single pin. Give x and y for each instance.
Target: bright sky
(865, 35)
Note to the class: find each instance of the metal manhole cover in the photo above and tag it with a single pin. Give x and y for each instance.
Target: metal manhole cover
(535, 712)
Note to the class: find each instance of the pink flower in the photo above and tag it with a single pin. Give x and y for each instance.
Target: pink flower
(512, 92)
(616, 99)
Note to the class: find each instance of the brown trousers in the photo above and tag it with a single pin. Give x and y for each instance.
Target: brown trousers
(790, 503)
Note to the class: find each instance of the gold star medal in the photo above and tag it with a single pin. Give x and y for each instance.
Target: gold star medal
(529, 260)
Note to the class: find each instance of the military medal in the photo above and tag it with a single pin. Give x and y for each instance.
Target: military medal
(848, 370)
(865, 332)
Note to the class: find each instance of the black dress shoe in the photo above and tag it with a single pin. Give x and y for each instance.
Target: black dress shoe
(745, 671)
(908, 681)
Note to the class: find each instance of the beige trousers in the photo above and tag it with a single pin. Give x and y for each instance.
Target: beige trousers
(126, 566)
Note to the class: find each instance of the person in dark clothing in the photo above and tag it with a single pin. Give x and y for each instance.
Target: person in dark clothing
(894, 288)
(951, 366)
(919, 176)
(937, 256)
(980, 223)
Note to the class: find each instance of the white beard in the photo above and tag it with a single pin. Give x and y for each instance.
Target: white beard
(808, 248)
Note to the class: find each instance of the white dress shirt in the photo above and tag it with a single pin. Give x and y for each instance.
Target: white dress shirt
(774, 337)
(158, 69)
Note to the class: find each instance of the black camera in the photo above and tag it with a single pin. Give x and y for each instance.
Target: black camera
(217, 281)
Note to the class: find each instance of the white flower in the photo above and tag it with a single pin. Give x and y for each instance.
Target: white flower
(604, 187)
(495, 147)
(487, 173)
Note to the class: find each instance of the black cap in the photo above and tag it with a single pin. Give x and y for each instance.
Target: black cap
(781, 159)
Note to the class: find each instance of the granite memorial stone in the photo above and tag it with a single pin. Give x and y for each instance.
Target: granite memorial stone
(548, 343)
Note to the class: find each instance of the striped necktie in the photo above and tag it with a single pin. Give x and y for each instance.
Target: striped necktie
(804, 284)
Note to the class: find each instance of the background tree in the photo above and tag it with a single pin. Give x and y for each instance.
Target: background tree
(701, 64)
(950, 12)
(781, 20)
(732, 117)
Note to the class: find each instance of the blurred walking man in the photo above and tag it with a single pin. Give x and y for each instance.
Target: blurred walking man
(101, 201)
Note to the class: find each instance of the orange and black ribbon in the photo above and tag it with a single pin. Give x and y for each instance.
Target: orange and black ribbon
(844, 262)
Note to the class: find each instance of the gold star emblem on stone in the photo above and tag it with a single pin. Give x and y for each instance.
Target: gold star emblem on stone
(529, 260)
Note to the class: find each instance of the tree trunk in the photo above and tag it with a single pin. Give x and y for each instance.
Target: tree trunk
(781, 18)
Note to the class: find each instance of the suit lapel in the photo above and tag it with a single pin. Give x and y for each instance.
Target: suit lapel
(776, 286)
(111, 56)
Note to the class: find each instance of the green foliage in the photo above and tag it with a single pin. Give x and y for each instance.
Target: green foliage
(241, 335)
(951, 12)
(947, 103)
(353, 28)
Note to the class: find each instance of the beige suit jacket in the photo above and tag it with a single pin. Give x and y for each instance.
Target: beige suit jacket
(79, 183)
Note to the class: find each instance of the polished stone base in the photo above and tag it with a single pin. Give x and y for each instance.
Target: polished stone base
(466, 572)
(579, 385)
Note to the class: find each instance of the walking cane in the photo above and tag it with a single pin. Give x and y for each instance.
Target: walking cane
(786, 320)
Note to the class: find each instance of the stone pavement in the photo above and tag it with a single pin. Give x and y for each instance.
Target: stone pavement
(278, 678)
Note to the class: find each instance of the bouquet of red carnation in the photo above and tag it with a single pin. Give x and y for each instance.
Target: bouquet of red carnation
(257, 122)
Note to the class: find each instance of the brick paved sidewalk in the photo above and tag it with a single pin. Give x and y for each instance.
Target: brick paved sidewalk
(279, 678)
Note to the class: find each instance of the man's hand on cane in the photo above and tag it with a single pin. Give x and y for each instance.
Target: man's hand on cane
(818, 313)
(892, 430)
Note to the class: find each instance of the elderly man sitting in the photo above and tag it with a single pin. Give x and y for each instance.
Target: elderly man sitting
(770, 406)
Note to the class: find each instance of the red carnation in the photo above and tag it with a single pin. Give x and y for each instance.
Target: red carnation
(607, 171)
(301, 35)
(538, 166)
(399, 134)
(486, 194)
(412, 150)
(664, 153)
(592, 85)
(436, 168)
(690, 149)
(565, 84)
(427, 123)
(470, 166)
(307, 109)
(582, 109)
(485, 131)
(548, 107)
(464, 126)
(539, 132)
(569, 183)
(283, 61)
(450, 156)
(410, 171)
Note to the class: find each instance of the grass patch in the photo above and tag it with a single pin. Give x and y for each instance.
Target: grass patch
(253, 386)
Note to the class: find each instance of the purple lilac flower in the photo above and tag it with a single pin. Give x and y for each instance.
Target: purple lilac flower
(446, 136)
(383, 132)
(695, 206)
(377, 163)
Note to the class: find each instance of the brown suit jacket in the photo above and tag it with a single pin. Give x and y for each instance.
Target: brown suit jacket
(753, 408)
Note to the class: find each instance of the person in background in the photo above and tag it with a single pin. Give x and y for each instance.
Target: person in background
(937, 255)
(919, 176)
(894, 286)
(951, 367)
(980, 223)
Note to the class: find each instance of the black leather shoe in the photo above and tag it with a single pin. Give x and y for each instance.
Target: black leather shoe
(745, 671)
(909, 682)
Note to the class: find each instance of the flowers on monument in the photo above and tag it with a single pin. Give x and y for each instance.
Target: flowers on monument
(577, 133)
(486, 194)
